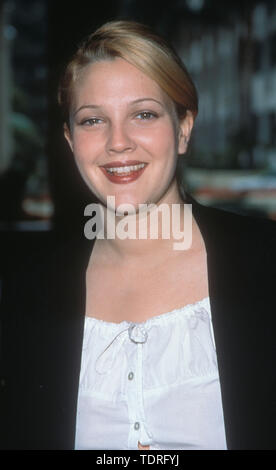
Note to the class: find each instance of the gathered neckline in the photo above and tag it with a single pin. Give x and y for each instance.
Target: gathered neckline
(188, 308)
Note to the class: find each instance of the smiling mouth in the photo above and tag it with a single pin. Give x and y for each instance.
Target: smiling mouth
(125, 170)
(120, 173)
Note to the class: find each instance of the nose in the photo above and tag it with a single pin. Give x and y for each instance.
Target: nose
(119, 140)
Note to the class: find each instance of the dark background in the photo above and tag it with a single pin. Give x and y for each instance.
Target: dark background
(230, 51)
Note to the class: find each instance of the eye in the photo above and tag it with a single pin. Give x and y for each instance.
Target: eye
(91, 122)
(146, 115)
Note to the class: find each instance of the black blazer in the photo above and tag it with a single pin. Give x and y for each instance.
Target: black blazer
(42, 319)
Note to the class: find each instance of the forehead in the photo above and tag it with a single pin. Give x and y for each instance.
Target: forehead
(115, 81)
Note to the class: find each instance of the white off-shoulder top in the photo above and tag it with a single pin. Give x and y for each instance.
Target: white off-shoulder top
(155, 382)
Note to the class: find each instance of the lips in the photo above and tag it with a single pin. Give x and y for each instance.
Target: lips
(123, 172)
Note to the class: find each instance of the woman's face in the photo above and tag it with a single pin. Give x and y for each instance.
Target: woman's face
(124, 134)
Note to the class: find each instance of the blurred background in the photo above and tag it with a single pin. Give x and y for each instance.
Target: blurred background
(230, 51)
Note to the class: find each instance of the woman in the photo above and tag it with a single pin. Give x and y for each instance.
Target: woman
(138, 345)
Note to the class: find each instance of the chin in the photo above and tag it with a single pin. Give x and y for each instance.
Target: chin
(122, 204)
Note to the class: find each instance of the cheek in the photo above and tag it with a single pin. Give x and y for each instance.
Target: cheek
(85, 147)
(161, 141)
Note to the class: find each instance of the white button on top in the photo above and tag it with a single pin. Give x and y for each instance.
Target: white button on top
(130, 376)
(137, 333)
(136, 425)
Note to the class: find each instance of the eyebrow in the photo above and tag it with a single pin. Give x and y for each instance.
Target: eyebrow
(95, 106)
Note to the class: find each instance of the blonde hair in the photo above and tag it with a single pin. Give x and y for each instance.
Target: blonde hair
(141, 47)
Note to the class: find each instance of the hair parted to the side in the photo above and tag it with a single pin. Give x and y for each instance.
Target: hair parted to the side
(141, 47)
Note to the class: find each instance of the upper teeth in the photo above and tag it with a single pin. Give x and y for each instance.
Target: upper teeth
(126, 169)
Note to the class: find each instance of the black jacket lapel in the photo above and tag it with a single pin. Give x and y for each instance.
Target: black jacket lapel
(242, 279)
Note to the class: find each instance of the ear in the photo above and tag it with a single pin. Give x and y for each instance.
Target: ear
(67, 136)
(185, 129)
